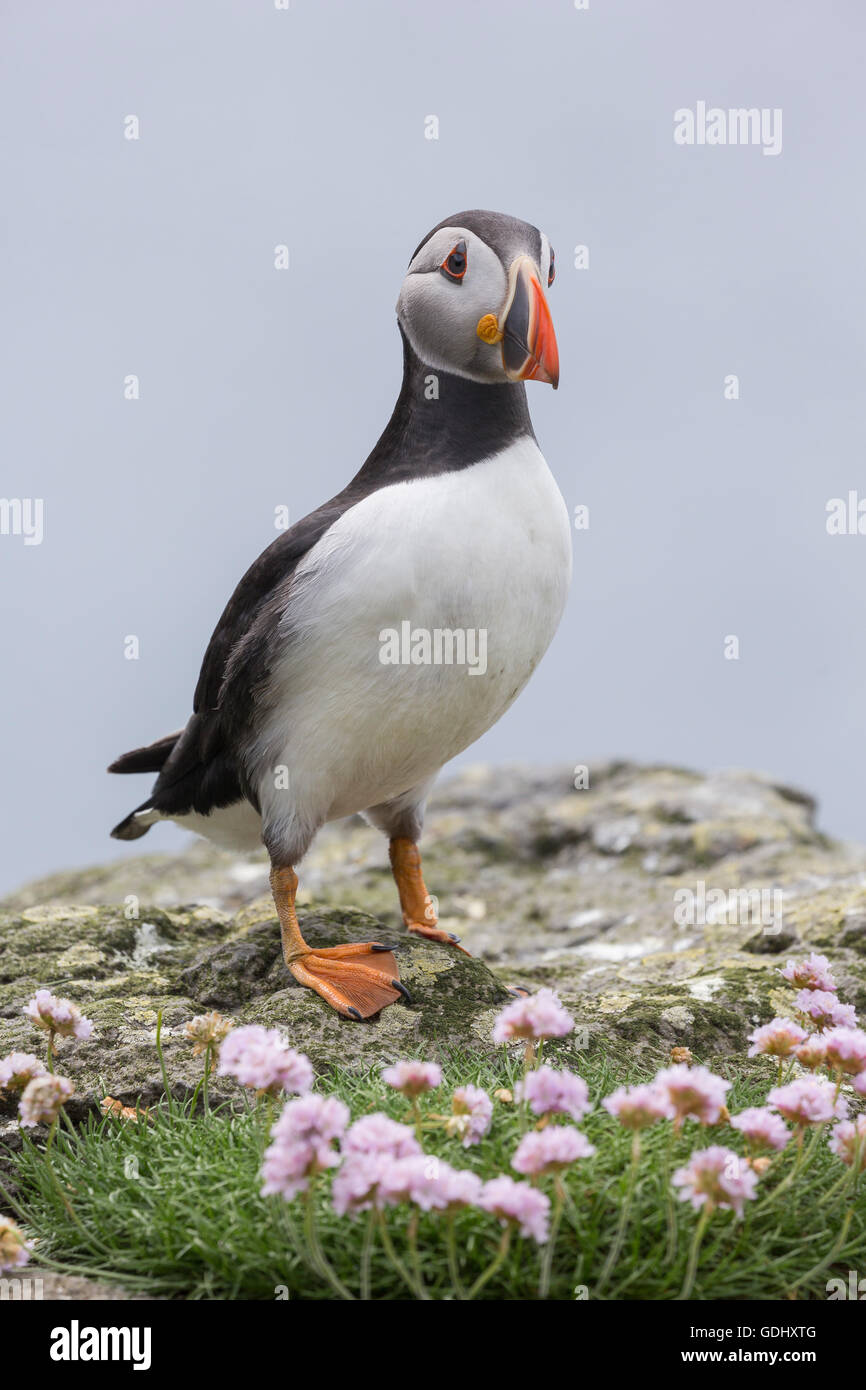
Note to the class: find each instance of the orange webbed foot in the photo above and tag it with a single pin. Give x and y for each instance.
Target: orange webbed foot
(357, 980)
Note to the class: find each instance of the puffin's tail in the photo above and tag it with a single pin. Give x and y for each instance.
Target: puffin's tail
(149, 759)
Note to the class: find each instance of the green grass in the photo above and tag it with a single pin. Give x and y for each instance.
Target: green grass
(172, 1208)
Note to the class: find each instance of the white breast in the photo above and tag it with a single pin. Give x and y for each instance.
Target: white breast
(484, 549)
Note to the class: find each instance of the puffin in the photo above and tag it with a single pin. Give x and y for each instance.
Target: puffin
(381, 635)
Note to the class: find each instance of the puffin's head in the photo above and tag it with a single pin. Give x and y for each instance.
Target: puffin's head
(473, 301)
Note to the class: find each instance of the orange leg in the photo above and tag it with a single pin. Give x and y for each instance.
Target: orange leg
(357, 980)
(419, 913)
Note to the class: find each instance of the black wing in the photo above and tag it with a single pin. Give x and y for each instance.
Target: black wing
(198, 768)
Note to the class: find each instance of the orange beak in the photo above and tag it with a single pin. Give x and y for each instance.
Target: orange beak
(529, 351)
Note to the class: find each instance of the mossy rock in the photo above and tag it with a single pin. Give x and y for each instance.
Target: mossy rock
(124, 975)
(545, 884)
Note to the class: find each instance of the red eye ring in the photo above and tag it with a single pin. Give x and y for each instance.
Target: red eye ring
(455, 263)
(551, 274)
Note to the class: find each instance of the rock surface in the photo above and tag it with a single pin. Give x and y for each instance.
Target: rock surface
(587, 890)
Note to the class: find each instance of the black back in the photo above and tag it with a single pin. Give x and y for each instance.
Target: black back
(469, 421)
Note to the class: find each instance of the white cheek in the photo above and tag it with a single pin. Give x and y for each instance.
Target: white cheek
(441, 318)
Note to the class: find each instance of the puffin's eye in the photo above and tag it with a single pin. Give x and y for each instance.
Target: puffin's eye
(551, 274)
(454, 265)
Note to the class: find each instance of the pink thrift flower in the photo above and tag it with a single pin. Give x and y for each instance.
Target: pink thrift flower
(824, 1009)
(356, 1184)
(812, 973)
(413, 1078)
(549, 1150)
(18, 1069)
(472, 1112)
(811, 1054)
(639, 1106)
(517, 1204)
(460, 1187)
(694, 1092)
(302, 1146)
(845, 1050)
(43, 1100)
(58, 1016)
(550, 1092)
(536, 1016)
(378, 1134)
(407, 1180)
(261, 1059)
(763, 1128)
(312, 1119)
(810, 1100)
(718, 1177)
(429, 1183)
(14, 1249)
(776, 1039)
(848, 1142)
(288, 1167)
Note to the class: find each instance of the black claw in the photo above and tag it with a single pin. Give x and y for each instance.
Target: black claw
(453, 937)
(401, 988)
(354, 1013)
(377, 947)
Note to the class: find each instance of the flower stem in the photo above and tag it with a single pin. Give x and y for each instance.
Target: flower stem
(547, 1257)
(366, 1256)
(412, 1239)
(320, 1262)
(453, 1262)
(166, 1084)
(395, 1260)
(692, 1266)
(833, 1252)
(670, 1214)
(803, 1157)
(208, 1057)
(625, 1209)
(494, 1266)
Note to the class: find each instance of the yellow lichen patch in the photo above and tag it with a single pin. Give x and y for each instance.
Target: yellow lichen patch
(80, 957)
(615, 1003)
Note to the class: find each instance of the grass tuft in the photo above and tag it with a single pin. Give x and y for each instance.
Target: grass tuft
(171, 1207)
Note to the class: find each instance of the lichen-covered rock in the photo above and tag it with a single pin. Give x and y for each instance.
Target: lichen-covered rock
(190, 960)
(661, 903)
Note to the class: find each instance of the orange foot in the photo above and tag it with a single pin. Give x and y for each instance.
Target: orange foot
(356, 980)
(419, 911)
(437, 934)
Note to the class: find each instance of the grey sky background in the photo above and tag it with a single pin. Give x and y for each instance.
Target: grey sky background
(260, 387)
